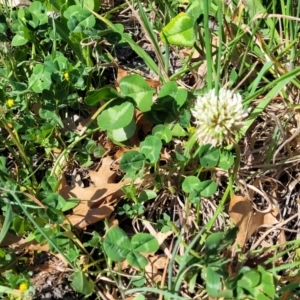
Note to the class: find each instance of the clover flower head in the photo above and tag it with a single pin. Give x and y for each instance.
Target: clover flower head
(218, 117)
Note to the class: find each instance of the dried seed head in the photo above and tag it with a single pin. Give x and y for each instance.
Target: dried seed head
(3, 111)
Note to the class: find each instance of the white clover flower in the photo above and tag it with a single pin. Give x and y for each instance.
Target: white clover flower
(218, 118)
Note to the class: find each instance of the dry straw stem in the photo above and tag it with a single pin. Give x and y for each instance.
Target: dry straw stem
(273, 227)
(277, 16)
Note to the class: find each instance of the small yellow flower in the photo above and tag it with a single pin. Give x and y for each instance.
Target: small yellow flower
(192, 129)
(10, 102)
(67, 76)
(23, 287)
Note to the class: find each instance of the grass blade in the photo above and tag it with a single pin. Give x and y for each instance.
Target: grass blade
(7, 221)
(138, 50)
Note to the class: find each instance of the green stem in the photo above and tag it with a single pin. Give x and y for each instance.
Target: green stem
(198, 208)
(208, 46)
(189, 145)
(12, 151)
(225, 195)
(50, 241)
(58, 165)
(17, 143)
(216, 214)
(236, 164)
(182, 242)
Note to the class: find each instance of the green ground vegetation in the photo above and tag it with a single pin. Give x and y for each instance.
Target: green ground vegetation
(100, 161)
